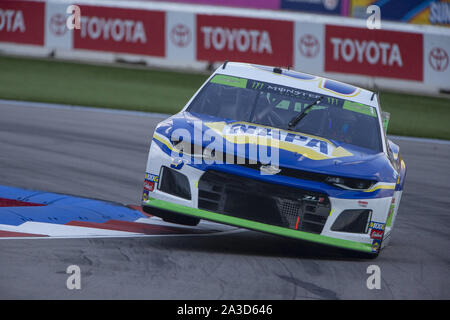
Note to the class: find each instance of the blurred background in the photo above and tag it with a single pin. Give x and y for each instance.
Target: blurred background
(152, 55)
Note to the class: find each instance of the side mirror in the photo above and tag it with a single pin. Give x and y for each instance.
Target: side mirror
(394, 150)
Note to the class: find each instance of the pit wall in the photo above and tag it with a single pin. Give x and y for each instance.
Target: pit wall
(399, 57)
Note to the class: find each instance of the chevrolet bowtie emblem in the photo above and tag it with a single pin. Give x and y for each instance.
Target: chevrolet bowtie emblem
(269, 169)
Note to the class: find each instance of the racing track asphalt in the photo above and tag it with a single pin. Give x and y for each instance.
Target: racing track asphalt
(103, 155)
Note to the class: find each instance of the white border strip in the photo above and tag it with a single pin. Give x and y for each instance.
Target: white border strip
(81, 108)
(133, 235)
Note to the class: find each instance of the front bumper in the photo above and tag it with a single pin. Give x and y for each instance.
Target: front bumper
(258, 226)
(198, 206)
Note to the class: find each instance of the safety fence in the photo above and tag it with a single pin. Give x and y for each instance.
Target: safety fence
(397, 56)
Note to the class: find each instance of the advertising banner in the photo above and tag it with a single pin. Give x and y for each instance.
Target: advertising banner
(262, 41)
(436, 61)
(22, 22)
(116, 29)
(57, 35)
(375, 53)
(180, 36)
(257, 4)
(309, 47)
(434, 12)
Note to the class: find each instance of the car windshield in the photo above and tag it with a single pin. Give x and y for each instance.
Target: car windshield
(274, 105)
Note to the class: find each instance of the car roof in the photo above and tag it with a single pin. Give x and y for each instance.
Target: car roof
(299, 80)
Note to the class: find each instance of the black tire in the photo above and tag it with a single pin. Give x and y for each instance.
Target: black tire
(360, 255)
(185, 220)
(172, 217)
(367, 256)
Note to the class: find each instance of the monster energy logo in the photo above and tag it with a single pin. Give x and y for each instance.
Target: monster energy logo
(257, 85)
(332, 100)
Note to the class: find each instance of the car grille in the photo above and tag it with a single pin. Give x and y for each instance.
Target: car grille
(293, 173)
(308, 175)
(264, 202)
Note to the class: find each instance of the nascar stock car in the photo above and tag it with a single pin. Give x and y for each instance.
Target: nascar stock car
(281, 152)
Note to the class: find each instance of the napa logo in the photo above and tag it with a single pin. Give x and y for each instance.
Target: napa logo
(308, 146)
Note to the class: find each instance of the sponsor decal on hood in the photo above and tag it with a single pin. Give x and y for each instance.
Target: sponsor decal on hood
(308, 146)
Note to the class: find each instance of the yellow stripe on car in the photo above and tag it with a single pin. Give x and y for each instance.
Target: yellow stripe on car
(381, 186)
(164, 141)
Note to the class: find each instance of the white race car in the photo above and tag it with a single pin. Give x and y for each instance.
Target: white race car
(282, 152)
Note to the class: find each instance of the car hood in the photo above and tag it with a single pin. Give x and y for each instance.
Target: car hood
(288, 149)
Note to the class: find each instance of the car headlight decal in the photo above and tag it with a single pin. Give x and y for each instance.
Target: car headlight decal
(349, 183)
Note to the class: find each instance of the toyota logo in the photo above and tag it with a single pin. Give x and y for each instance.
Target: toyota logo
(330, 4)
(309, 46)
(180, 35)
(58, 25)
(438, 59)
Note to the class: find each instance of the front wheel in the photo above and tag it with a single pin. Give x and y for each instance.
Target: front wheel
(360, 255)
(172, 217)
